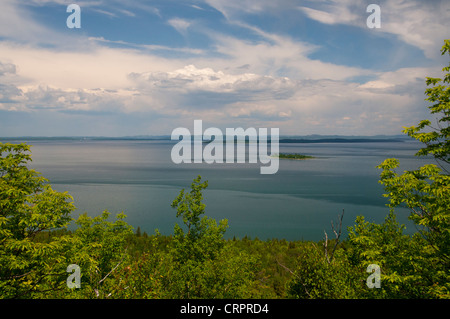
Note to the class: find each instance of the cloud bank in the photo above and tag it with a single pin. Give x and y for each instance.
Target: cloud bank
(226, 65)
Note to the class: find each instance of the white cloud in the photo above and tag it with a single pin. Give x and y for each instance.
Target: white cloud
(17, 24)
(181, 25)
(232, 9)
(282, 55)
(316, 99)
(191, 78)
(400, 77)
(335, 15)
(423, 24)
(6, 68)
(271, 81)
(96, 67)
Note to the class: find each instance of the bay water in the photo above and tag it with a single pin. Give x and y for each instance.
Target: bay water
(299, 202)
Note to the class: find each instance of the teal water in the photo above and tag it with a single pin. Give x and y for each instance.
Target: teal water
(298, 202)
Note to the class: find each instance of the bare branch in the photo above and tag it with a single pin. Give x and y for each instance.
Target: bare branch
(115, 267)
(337, 233)
(294, 274)
(325, 245)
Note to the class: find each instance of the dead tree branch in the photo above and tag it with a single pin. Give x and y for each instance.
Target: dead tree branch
(337, 234)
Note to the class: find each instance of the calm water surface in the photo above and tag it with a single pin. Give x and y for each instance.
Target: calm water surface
(298, 202)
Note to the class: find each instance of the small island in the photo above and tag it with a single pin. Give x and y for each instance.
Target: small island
(294, 156)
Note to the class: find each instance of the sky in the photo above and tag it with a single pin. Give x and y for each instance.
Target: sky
(140, 67)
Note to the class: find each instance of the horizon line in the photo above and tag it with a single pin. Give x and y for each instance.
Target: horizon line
(168, 137)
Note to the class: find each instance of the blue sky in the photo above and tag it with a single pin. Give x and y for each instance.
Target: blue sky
(148, 67)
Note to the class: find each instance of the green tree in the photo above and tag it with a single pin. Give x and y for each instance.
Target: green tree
(204, 238)
(200, 264)
(199, 245)
(324, 273)
(388, 247)
(426, 191)
(29, 206)
(35, 266)
(417, 265)
(99, 248)
(144, 276)
(412, 266)
(436, 136)
(316, 278)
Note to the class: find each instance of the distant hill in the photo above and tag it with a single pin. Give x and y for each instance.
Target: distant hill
(341, 140)
(283, 138)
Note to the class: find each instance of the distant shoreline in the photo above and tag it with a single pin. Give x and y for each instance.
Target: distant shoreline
(342, 140)
(282, 140)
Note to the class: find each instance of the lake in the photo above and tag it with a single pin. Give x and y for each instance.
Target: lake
(298, 202)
